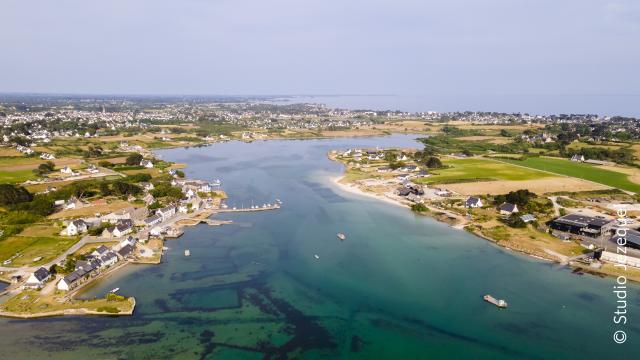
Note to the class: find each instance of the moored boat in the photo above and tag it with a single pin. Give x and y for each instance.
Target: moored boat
(341, 236)
(499, 303)
(187, 253)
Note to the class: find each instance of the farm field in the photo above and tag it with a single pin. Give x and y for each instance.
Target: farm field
(538, 186)
(576, 145)
(593, 173)
(477, 169)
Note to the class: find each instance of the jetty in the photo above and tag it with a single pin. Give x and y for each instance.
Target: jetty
(253, 208)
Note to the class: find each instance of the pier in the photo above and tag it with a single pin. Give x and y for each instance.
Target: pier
(256, 208)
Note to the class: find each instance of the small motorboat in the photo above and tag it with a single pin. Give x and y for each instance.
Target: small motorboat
(341, 236)
(187, 253)
(316, 256)
(113, 291)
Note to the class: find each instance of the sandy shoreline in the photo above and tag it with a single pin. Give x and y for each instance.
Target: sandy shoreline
(352, 189)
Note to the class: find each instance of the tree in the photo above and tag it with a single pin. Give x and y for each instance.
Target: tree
(134, 159)
(124, 188)
(47, 167)
(105, 190)
(11, 194)
(433, 163)
(180, 173)
(93, 151)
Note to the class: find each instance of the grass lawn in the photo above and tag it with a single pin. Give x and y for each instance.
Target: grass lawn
(469, 170)
(30, 247)
(16, 176)
(531, 241)
(33, 302)
(579, 170)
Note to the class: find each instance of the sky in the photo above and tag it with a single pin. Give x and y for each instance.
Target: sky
(449, 53)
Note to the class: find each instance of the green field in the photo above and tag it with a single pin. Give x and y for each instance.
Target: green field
(31, 247)
(468, 170)
(579, 170)
(16, 176)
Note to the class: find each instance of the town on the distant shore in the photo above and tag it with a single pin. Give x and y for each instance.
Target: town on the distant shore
(82, 193)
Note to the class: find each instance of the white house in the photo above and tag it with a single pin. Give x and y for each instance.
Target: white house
(76, 227)
(508, 209)
(147, 185)
(122, 229)
(109, 259)
(47, 156)
(578, 158)
(153, 220)
(146, 163)
(73, 203)
(166, 212)
(66, 170)
(37, 279)
(69, 282)
(473, 202)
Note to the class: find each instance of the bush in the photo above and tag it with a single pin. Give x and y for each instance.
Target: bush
(115, 297)
(419, 208)
(108, 309)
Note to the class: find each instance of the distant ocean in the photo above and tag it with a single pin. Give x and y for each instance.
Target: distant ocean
(623, 105)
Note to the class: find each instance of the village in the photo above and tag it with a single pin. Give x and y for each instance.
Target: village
(576, 228)
(108, 241)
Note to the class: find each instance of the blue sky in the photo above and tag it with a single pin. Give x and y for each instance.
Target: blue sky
(447, 48)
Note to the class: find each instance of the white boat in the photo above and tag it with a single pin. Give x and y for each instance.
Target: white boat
(224, 206)
(316, 256)
(499, 303)
(187, 253)
(341, 236)
(278, 201)
(113, 291)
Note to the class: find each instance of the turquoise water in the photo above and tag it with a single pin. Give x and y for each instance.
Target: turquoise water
(400, 287)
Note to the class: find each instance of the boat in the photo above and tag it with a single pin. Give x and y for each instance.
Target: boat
(341, 236)
(499, 303)
(187, 253)
(278, 201)
(113, 291)
(316, 256)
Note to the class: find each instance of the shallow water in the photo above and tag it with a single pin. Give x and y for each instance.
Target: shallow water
(400, 285)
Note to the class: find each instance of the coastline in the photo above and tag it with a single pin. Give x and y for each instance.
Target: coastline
(353, 189)
(575, 267)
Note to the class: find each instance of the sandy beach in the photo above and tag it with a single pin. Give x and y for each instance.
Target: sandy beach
(353, 189)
